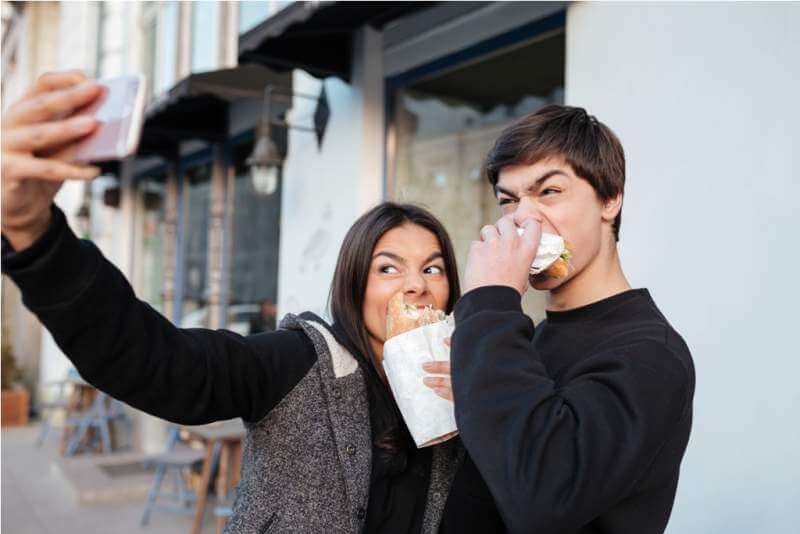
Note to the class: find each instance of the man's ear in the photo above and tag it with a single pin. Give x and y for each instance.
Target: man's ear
(612, 207)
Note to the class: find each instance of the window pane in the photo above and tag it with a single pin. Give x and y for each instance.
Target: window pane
(205, 36)
(254, 12)
(446, 124)
(196, 216)
(150, 47)
(111, 41)
(168, 56)
(252, 293)
(251, 14)
(153, 232)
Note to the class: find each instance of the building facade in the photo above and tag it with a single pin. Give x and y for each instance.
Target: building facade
(412, 96)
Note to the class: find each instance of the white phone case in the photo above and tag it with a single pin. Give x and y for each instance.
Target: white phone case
(121, 113)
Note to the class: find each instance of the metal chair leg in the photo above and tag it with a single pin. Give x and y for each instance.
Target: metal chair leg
(153, 495)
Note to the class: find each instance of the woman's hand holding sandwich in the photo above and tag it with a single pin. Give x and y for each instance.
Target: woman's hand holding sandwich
(441, 385)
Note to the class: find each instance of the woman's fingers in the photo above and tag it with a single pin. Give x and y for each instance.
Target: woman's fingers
(48, 135)
(20, 166)
(441, 386)
(51, 105)
(437, 381)
(438, 368)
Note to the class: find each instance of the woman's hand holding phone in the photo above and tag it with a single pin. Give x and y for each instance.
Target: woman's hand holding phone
(38, 138)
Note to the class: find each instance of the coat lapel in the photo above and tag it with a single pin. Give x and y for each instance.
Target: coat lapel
(349, 416)
(446, 460)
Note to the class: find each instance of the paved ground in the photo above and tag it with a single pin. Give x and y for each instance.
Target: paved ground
(43, 494)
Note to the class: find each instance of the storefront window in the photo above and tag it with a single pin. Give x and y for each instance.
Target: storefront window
(196, 220)
(445, 124)
(253, 265)
(151, 258)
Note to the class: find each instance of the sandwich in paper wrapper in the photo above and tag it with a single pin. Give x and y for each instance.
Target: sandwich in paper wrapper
(417, 335)
(553, 256)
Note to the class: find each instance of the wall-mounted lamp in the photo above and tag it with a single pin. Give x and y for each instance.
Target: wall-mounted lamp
(266, 160)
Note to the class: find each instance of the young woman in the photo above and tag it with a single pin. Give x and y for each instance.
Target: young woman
(326, 449)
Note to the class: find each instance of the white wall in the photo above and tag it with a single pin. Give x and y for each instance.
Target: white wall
(325, 190)
(705, 101)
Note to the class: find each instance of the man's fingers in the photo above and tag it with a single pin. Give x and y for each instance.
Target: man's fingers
(17, 166)
(532, 232)
(506, 227)
(489, 233)
(51, 81)
(52, 105)
(48, 135)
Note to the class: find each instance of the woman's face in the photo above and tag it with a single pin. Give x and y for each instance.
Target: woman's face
(407, 258)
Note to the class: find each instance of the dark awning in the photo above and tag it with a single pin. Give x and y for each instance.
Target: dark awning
(197, 107)
(317, 36)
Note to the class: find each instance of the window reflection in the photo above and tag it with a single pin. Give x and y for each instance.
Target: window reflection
(197, 217)
(253, 282)
(445, 125)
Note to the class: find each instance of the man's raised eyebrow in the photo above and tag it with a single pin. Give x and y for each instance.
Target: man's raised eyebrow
(536, 184)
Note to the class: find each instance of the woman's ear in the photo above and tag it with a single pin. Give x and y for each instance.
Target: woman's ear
(611, 208)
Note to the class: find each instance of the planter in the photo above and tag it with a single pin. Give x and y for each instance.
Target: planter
(15, 407)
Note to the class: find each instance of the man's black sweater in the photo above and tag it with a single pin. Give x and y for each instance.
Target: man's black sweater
(577, 425)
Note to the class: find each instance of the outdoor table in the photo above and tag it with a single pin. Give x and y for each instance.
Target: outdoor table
(228, 434)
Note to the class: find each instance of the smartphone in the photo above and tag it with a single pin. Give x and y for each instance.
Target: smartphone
(120, 111)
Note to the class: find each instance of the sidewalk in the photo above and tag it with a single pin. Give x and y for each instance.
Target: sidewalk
(45, 494)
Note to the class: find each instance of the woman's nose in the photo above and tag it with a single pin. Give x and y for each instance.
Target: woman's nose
(415, 284)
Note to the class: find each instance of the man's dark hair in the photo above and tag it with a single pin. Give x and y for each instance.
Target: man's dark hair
(587, 145)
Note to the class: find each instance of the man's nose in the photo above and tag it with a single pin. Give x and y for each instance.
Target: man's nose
(527, 209)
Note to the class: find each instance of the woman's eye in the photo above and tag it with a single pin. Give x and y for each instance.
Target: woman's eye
(504, 201)
(434, 269)
(551, 191)
(388, 269)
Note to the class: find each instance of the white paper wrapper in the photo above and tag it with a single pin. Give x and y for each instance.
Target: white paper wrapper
(430, 418)
(550, 248)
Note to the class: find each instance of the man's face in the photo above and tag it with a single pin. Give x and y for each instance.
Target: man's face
(550, 192)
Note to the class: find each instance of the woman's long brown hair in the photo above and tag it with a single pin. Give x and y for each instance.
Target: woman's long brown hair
(347, 302)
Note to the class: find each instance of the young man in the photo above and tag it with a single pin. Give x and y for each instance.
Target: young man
(577, 424)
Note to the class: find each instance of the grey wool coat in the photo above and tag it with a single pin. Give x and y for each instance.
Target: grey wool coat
(306, 465)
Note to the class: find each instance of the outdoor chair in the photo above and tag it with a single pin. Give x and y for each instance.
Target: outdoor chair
(98, 417)
(177, 459)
